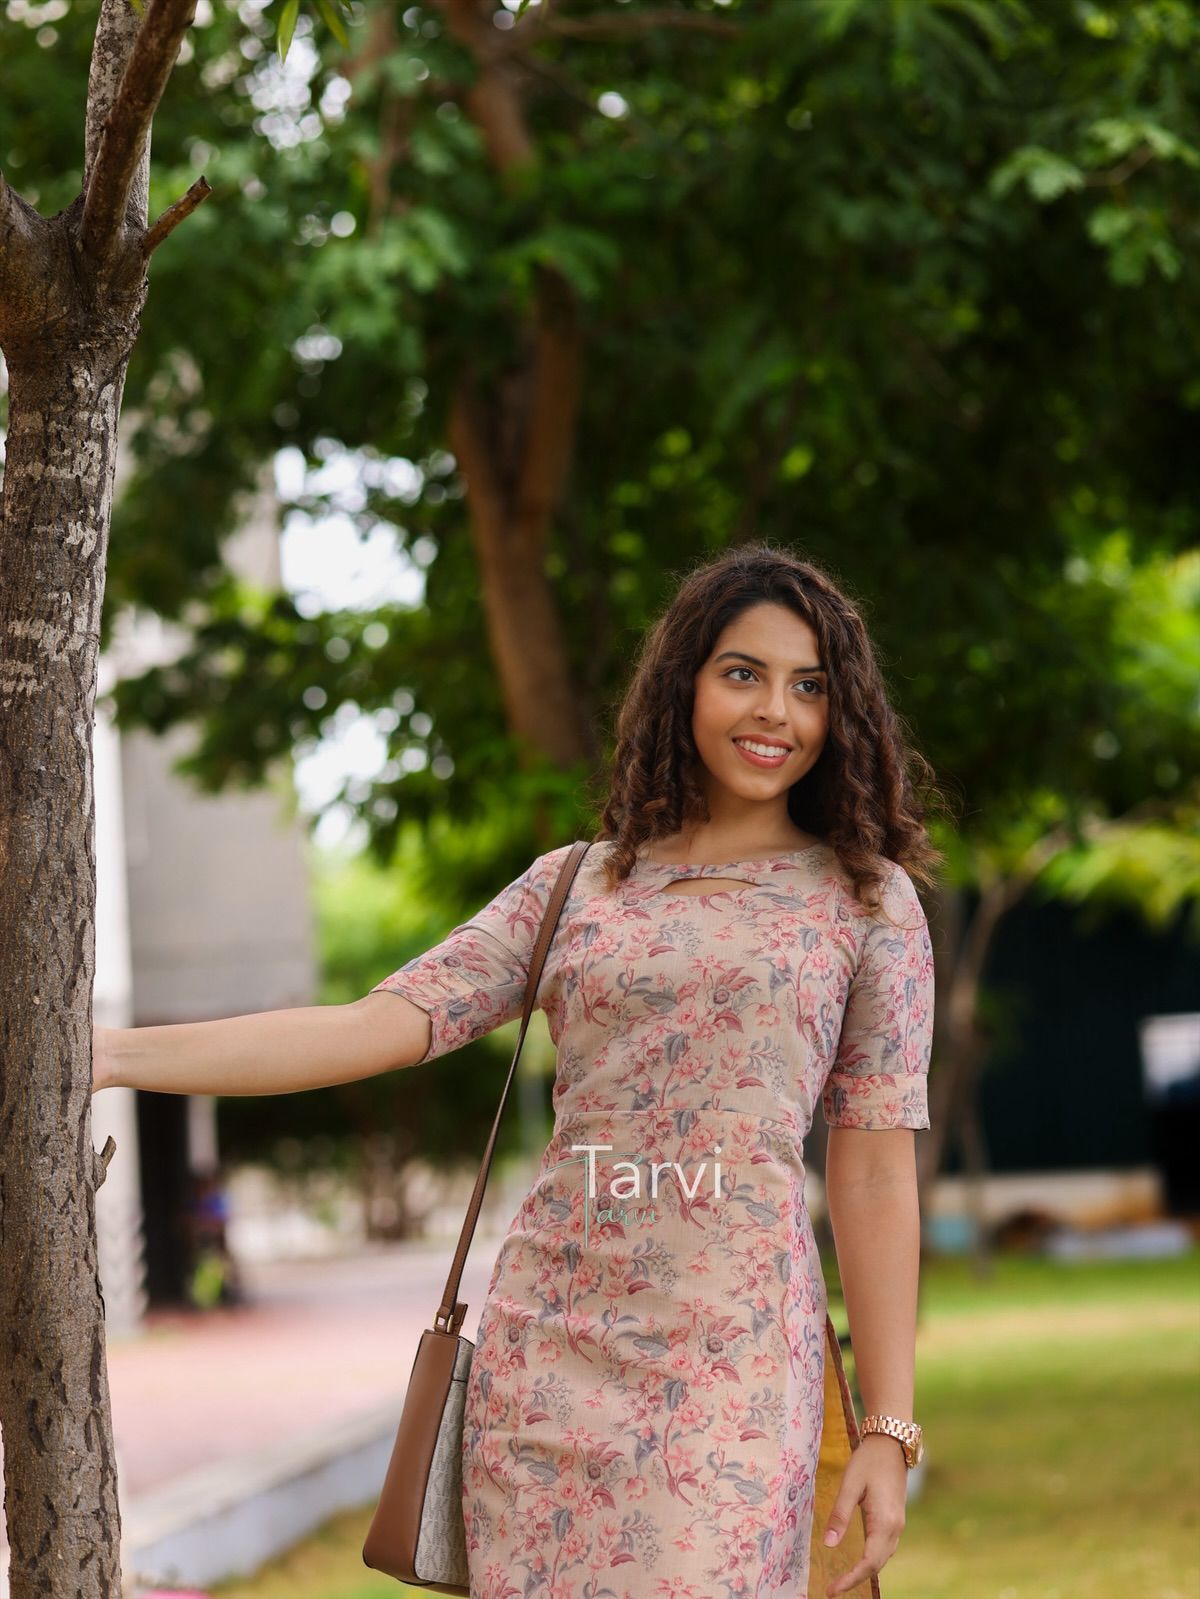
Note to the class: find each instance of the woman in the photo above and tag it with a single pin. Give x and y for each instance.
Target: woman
(656, 1404)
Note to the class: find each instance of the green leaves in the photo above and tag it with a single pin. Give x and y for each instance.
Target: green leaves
(586, 258)
(1135, 238)
(331, 12)
(904, 287)
(1045, 174)
(1117, 137)
(333, 21)
(287, 26)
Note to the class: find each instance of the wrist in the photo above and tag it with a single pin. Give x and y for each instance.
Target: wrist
(884, 1442)
(110, 1057)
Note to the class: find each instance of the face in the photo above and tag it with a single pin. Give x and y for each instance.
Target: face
(764, 683)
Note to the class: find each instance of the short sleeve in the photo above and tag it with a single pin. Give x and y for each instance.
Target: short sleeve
(474, 980)
(880, 1073)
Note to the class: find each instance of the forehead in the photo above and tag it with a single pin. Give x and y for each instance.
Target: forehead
(769, 630)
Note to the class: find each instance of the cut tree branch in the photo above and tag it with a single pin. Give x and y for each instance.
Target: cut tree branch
(174, 215)
(20, 251)
(119, 120)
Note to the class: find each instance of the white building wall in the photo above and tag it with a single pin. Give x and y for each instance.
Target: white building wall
(202, 905)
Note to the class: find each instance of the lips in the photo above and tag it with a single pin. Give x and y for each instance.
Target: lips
(778, 757)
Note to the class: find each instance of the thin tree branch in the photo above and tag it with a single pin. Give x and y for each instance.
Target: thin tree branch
(1111, 176)
(395, 118)
(174, 215)
(493, 100)
(613, 26)
(144, 57)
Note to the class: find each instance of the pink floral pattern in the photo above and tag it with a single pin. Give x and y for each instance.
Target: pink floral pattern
(646, 1399)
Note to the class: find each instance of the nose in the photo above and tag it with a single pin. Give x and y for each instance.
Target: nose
(771, 706)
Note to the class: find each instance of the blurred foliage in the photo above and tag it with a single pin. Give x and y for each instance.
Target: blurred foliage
(902, 285)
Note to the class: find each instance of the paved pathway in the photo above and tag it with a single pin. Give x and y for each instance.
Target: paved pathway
(316, 1341)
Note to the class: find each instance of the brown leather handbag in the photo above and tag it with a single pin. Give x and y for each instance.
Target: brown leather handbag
(418, 1534)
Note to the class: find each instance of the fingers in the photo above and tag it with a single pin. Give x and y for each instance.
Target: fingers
(877, 1551)
(880, 1545)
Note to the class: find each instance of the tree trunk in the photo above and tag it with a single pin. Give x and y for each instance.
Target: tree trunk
(961, 949)
(60, 1471)
(72, 288)
(514, 445)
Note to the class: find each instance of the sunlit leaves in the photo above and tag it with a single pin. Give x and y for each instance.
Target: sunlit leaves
(287, 26)
(333, 15)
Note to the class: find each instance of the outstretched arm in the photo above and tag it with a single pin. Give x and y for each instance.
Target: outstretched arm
(269, 1052)
(470, 983)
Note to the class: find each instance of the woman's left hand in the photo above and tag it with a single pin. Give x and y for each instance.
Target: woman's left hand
(876, 1473)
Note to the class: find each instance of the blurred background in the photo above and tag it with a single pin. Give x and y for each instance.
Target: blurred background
(908, 288)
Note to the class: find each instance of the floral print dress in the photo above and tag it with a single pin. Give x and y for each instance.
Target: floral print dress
(656, 1405)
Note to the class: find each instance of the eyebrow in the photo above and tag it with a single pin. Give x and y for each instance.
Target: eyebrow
(754, 661)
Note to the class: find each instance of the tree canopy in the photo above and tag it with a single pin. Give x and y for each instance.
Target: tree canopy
(903, 286)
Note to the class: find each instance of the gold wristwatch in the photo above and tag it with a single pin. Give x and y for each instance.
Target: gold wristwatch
(907, 1432)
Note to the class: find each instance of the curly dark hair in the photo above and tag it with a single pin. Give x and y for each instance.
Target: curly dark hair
(868, 793)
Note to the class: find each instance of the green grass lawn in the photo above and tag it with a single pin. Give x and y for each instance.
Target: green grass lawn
(1061, 1407)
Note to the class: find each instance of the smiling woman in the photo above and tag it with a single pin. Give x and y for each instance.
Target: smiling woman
(656, 1401)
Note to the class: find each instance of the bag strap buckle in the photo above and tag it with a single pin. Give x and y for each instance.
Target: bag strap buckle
(452, 1318)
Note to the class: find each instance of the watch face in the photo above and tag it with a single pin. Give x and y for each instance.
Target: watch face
(920, 1454)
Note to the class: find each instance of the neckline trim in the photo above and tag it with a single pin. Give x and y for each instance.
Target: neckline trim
(744, 860)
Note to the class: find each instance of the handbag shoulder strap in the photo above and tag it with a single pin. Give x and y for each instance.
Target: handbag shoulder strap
(451, 1311)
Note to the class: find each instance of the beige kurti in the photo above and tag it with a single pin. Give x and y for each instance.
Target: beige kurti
(657, 1405)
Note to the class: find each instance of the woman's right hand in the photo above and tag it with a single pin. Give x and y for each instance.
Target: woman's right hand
(104, 1074)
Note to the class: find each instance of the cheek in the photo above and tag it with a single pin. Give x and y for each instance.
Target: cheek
(710, 716)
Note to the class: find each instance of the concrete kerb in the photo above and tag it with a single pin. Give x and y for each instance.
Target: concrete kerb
(227, 1519)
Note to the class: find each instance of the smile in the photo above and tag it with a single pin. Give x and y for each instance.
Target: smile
(765, 755)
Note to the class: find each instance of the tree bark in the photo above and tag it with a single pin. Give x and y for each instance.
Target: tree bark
(72, 288)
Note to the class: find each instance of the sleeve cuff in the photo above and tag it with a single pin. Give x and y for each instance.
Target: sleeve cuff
(454, 1020)
(878, 1101)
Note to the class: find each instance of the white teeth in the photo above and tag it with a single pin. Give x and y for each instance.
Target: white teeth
(769, 750)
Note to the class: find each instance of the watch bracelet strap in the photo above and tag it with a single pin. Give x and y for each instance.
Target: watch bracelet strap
(905, 1432)
(451, 1311)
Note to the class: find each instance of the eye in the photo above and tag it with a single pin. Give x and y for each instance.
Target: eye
(811, 682)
